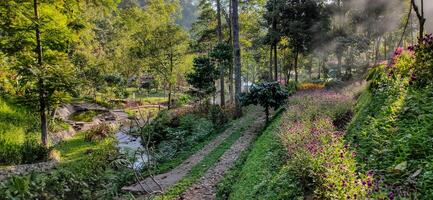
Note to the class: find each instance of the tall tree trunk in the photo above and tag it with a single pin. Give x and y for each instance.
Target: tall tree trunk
(220, 40)
(310, 69)
(275, 63)
(289, 73)
(237, 59)
(319, 69)
(270, 62)
(377, 49)
(384, 49)
(411, 28)
(421, 18)
(339, 65)
(170, 85)
(42, 97)
(296, 65)
(230, 20)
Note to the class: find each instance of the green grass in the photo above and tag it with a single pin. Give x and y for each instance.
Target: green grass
(76, 148)
(264, 161)
(85, 116)
(395, 126)
(141, 112)
(225, 186)
(15, 121)
(147, 99)
(198, 170)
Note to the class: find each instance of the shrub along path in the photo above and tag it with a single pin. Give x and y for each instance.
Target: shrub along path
(170, 178)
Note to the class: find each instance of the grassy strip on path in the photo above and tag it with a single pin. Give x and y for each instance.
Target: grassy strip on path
(264, 160)
(198, 170)
(185, 154)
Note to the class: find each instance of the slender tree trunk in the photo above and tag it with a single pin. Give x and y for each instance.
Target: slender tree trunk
(170, 85)
(319, 69)
(220, 40)
(421, 18)
(270, 62)
(275, 63)
(411, 29)
(340, 68)
(377, 49)
(42, 97)
(230, 24)
(310, 69)
(289, 73)
(384, 49)
(296, 65)
(237, 59)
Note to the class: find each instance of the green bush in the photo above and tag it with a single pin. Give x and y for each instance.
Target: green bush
(182, 100)
(28, 152)
(218, 115)
(318, 155)
(91, 178)
(10, 153)
(423, 67)
(268, 95)
(32, 151)
(190, 131)
(292, 87)
(99, 132)
(334, 84)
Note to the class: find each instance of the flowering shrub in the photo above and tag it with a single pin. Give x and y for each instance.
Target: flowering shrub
(311, 86)
(317, 151)
(423, 68)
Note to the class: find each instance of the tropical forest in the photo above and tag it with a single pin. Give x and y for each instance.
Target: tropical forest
(216, 99)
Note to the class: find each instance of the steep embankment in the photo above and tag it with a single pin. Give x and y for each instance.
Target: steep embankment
(393, 128)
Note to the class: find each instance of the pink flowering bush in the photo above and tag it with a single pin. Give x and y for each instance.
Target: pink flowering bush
(317, 151)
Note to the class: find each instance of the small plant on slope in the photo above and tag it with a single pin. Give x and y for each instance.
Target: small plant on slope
(268, 95)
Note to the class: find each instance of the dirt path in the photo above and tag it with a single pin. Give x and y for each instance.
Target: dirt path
(205, 188)
(170, 178)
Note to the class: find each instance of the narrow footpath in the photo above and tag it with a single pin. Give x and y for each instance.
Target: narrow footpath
(207, 183)
(205, 188)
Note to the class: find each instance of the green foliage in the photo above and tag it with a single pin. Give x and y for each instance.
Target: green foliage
(32, 151)
(262, 167)
(222, 53)
(17, 134)
(292, 87)
(190, 131)
(218, 116)
(85, 115)
(182, 100)
(334, 84)
(423, 67)
(198, 170)
(203, 77)
(391, 127)
(300, 21)
(84, 173)
(99, 132)
(267, 95)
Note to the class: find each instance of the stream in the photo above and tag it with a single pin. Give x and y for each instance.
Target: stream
(130, 144)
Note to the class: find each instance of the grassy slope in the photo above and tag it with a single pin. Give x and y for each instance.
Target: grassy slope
(262, 175)
(394, 130)
(15, 121)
